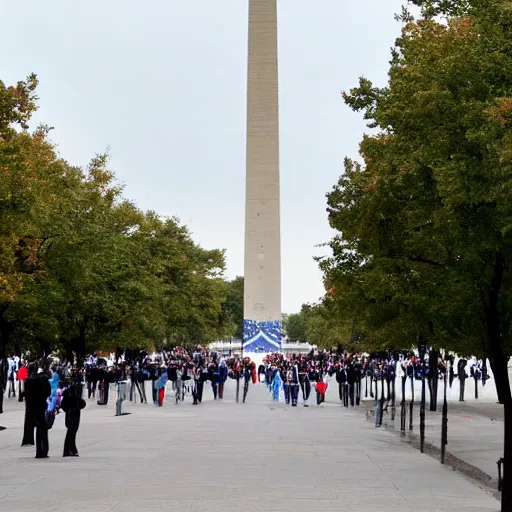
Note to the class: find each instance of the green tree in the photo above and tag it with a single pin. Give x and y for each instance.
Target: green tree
(29, 181)
(81, 268)
(424, 244)
(233, 306)
(320, 325)
(295, 325)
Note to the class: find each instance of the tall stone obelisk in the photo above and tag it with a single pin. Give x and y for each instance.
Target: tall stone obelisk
(262, 289)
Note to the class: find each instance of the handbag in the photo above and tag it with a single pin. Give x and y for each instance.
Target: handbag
(49, 419)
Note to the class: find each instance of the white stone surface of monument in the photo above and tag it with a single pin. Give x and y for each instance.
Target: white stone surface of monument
(262, 288)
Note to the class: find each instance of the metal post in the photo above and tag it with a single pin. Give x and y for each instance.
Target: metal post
(444, 425)
(403, 410)
(500, 474)
(378, 403)
(422, 409)
(381, 397)
(476, 388)
(121, 390)
(393, 398)
(411, 405)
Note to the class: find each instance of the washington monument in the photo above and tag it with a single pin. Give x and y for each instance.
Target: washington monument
(262, 290)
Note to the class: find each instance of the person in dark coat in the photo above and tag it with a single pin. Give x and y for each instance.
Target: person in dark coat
(72, 404)
(223, 375)
(461, 373)
(30, 419)
(341, 379)
(37, 391)
(105, 379)
(351, 381)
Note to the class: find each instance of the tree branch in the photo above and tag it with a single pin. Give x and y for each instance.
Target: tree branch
(427, 261)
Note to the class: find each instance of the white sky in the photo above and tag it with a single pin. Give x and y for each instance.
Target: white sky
(162, 83)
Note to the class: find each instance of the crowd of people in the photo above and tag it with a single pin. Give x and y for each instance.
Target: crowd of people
(187, 371)
(49, 387)
(295, 375)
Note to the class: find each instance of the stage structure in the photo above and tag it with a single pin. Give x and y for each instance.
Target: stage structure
(262, 289)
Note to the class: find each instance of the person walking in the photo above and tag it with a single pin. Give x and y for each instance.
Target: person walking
(72, 404)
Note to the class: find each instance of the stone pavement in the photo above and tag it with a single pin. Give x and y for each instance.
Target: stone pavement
(222, 456)
(475, 430)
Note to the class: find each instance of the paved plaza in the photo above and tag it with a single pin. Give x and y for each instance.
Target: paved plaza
(475, 428)
(222, 456)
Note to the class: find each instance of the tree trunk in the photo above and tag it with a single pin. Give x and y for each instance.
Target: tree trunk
(484, 370)
(44, 348)
(500, 371)
(499, 363)
(506, 497)
(68, 351)
(5, 331)
(501, 385)
(80, 353)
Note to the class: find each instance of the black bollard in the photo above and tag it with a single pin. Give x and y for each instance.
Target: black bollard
(444, 425)
(433, 378)
(381, 398)
(411, 406)
(403, 410)
(393, 405)
(366, 386)
(422, 349)
(237, 388)
(422, 411)
(500, 464)
(121, 396)
(476, 388)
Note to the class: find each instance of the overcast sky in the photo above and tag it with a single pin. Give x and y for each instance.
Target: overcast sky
(162, 83)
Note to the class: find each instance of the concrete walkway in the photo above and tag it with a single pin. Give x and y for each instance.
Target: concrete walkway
(475, 430)
(221, 456)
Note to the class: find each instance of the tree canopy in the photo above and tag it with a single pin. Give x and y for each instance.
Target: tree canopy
(81, 267)
(321, 325)
(423, 221)
(234, 307)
